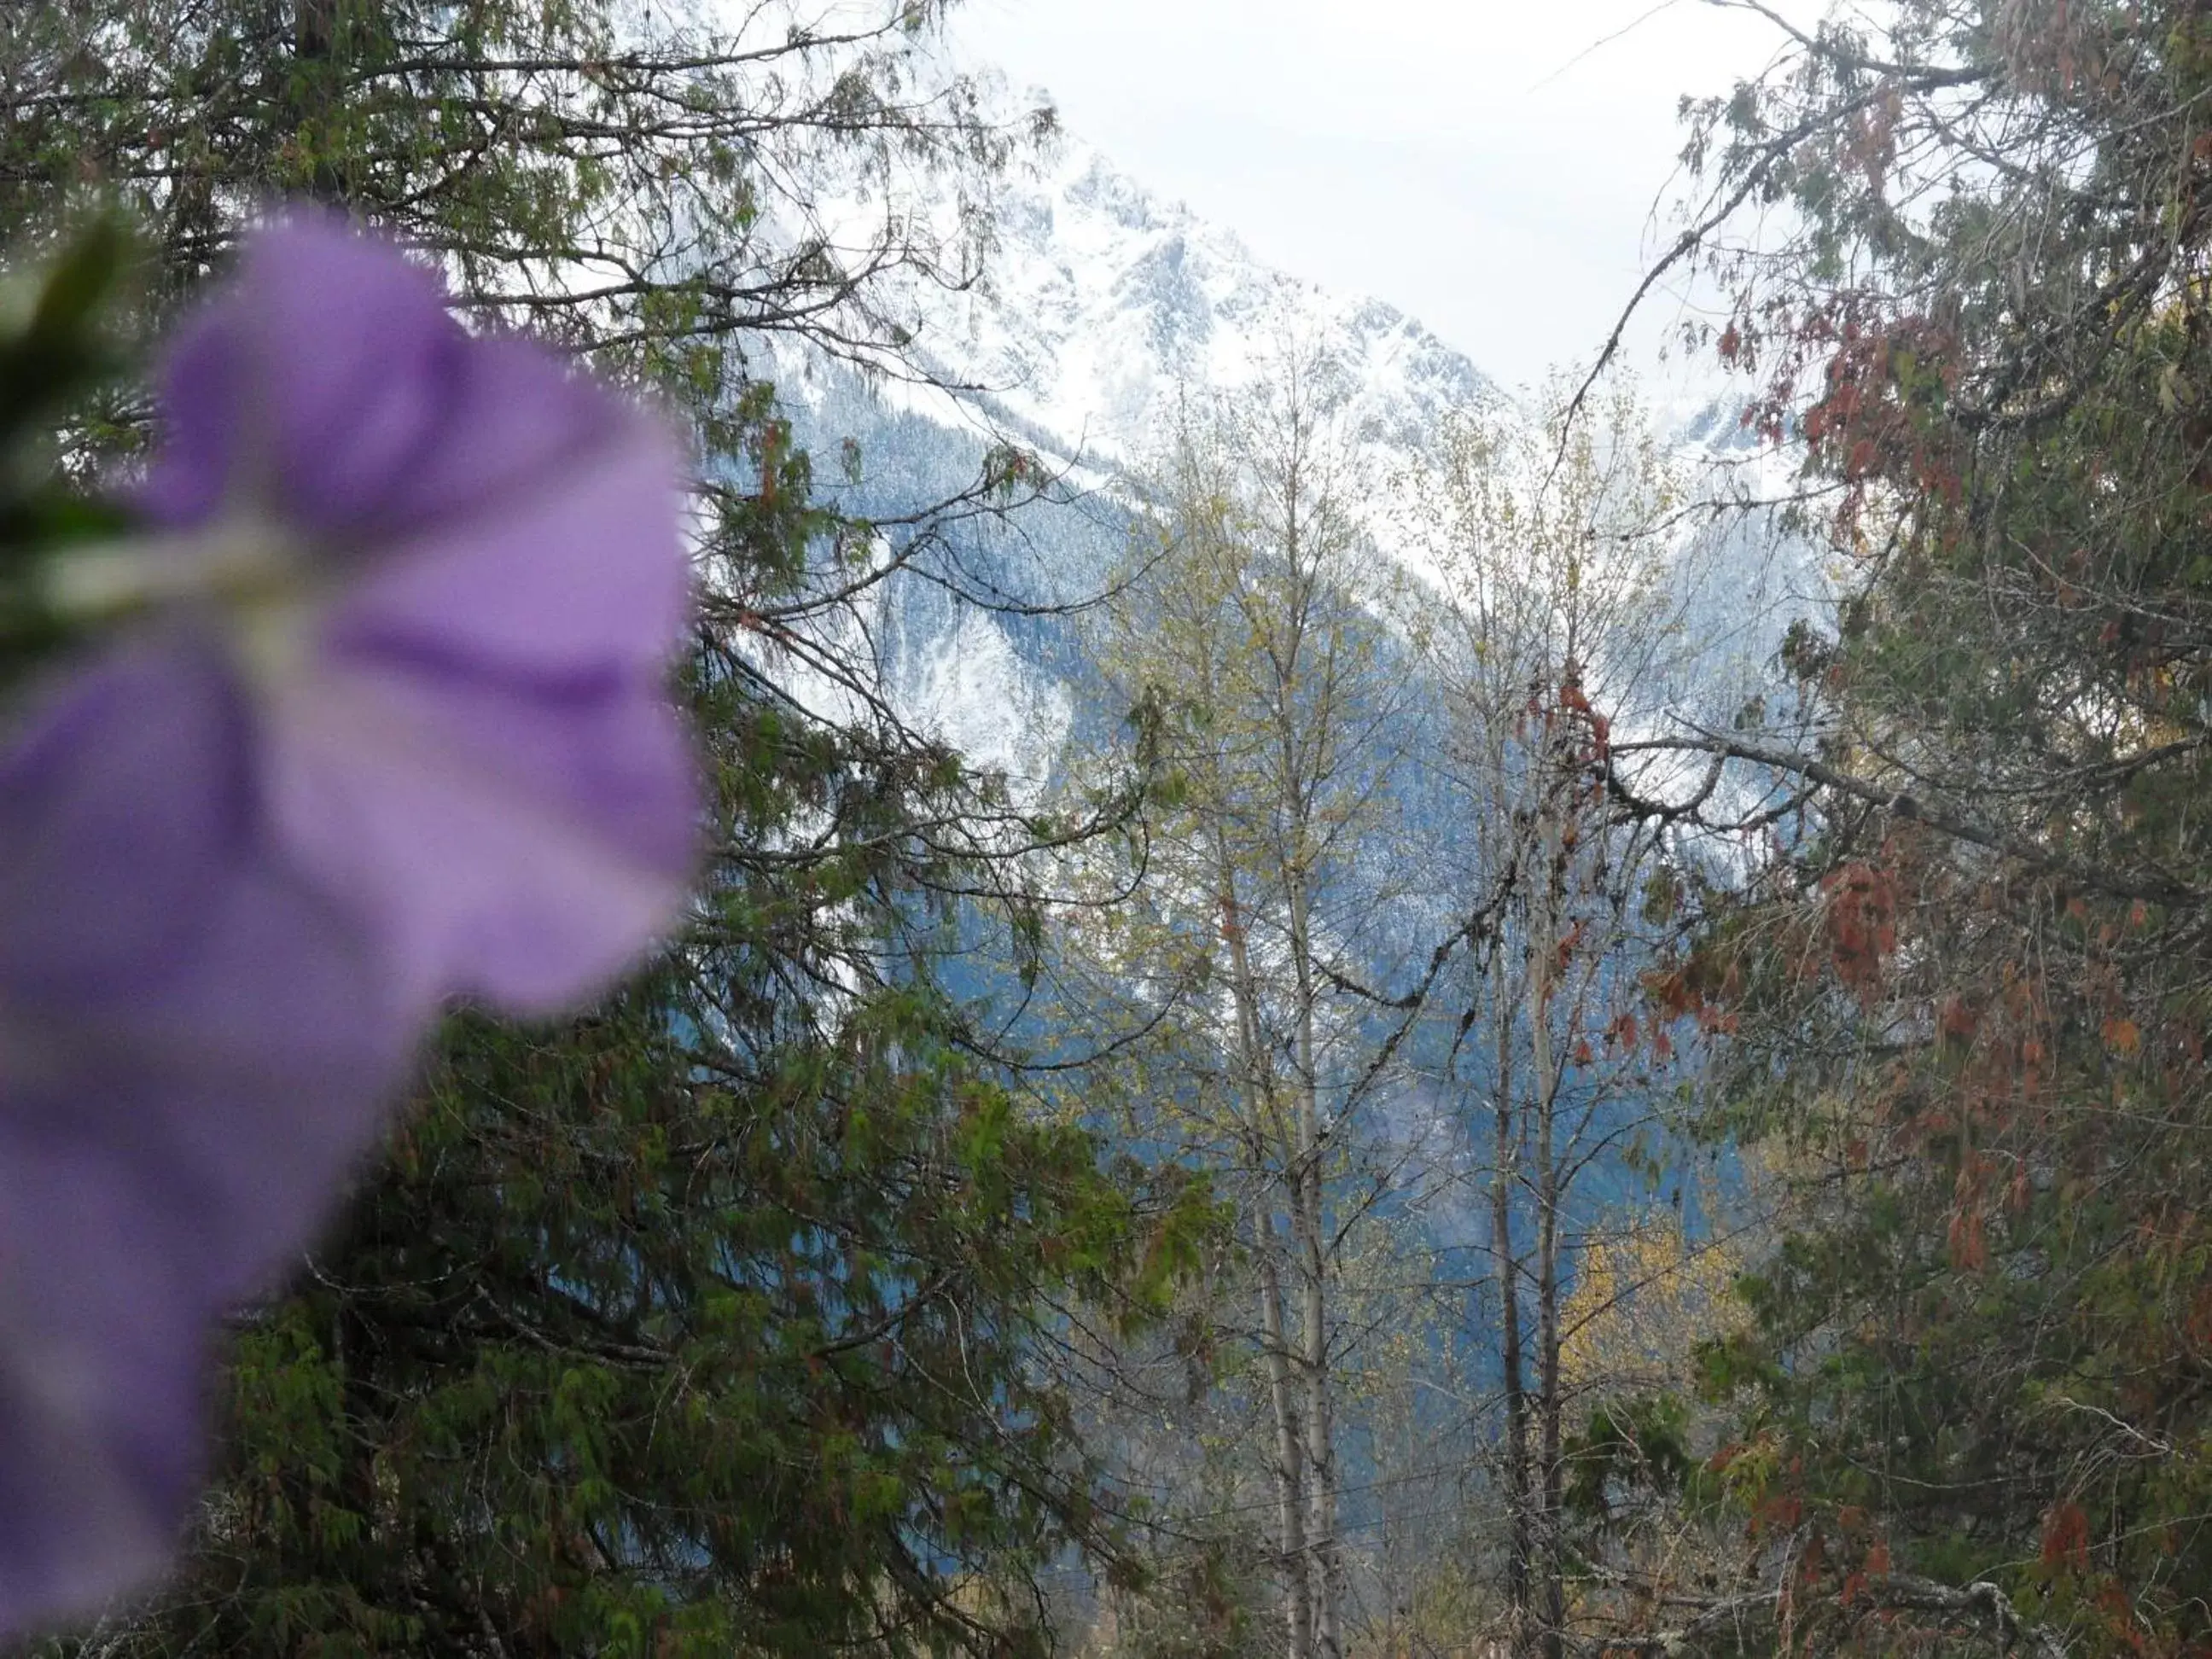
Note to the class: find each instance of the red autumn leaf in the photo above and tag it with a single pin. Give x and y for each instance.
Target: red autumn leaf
(1780, 1513)
(1969, 1245)
(2065, 1536)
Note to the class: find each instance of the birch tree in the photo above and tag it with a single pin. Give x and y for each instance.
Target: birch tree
(1553, 616)
(1274, 699)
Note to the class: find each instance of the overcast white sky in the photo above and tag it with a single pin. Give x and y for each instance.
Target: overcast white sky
(1490, 166)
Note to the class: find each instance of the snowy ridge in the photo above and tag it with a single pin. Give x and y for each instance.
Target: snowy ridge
(1105, 304)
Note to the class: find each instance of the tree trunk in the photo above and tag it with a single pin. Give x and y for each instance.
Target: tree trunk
(1290, 1453)
(1300, 760)
(1309, 1222)
(1520, 1542)
(1325, 1571)
(1283, 1391)
(1544, 1081)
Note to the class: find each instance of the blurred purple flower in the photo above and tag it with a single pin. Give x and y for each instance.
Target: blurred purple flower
(195, 1045)
(391, 726)
(464, 577)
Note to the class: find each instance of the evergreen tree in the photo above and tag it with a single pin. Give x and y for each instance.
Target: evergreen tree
(708, 1323)
(1971, 992)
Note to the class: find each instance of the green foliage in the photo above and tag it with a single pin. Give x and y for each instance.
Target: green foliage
(1642, 1442)
(57, 354)
(1970, 1003)
(716, 1321)
(628, 1349)
(1204, 1602)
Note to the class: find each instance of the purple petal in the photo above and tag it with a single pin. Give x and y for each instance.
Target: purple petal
(500, 504)
(474, 754)
(174, 1124)
(555, 543)
(204, 386)
(237, 1054)
(221, 922)
(242, 1083)
(101, 1367)
(316, 385)
(124, 795)
(522, 842)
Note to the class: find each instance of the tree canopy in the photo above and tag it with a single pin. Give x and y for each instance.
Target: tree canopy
(1968, 988)
(706, 1322)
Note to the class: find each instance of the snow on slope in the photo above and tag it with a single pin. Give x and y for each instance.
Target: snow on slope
(1105, 303)
(1103, 308)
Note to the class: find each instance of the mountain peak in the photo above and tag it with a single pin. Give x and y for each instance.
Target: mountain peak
(1107, 304)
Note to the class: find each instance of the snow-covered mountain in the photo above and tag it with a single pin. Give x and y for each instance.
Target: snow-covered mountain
(1103, 308)
(1105, 304)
